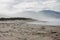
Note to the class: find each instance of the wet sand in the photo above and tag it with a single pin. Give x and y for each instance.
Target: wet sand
(20, 30)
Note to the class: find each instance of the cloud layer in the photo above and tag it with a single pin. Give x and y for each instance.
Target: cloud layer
(13, 6)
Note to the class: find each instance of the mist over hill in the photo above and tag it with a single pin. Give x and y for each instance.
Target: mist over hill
(43, 15)
(3, 16)
(50, 13)
(40, 15)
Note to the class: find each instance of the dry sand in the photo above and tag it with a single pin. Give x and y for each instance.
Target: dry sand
(20, 30)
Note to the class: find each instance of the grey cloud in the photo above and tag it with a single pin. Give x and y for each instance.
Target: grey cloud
(58, 0)
(13, 6)
(29, 0)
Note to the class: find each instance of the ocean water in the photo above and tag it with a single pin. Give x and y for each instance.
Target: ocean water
(56, 23)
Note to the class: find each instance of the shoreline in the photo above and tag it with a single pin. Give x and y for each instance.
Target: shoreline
(20, 30)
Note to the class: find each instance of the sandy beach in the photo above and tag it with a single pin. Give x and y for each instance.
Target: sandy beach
(20, 30)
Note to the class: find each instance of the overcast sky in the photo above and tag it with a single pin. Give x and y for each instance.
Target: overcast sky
(22, 7)
(14, 6)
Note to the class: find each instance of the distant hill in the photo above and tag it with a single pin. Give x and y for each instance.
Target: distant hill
(40, 14)
(50, 13)
(16, 18)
